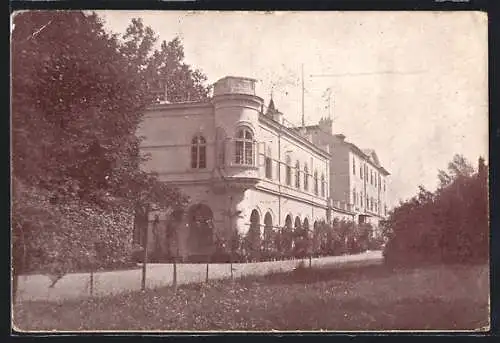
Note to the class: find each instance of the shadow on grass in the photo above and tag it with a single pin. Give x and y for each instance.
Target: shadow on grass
(306, 275)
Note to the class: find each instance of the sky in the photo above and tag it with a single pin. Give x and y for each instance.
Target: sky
(410, 85)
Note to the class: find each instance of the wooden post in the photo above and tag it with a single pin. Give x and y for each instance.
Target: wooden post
(92, 282)
(145, 258)
(174, 278)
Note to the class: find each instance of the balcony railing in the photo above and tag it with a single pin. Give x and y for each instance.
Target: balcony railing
(341, 205)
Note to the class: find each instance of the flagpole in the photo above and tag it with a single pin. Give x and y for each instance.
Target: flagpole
(303, 120)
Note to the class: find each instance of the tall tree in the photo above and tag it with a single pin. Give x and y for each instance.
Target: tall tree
(163, 70)
(458, 167)
(78, 94)
(448, 225)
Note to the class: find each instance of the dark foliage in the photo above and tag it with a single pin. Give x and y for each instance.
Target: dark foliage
(449, 225)
(78, 94)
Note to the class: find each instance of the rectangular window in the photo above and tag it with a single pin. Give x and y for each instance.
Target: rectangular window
(353, 166)
(288, 175)
(269, 168)
(361, 172)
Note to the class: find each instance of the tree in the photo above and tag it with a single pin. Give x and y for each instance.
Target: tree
(78, 95)
(449, 225)
(458, 167)
(76, 105)
(162, 68)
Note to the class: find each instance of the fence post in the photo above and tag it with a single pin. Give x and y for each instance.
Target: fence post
(145, 259)
(174, 277)
(92, 282)
(206, 275)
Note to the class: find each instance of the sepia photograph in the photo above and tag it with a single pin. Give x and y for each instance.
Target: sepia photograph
(246, 171)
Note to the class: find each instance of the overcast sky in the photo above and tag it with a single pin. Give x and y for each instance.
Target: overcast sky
(411, 85)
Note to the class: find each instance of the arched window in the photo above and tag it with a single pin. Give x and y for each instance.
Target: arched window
(244, 147)
(306, 178)
(254, 235)
(288, 171)
(269, 165)
(305, 226)
(297, 174)
(316, 182)
(198, 152)
(323, 185)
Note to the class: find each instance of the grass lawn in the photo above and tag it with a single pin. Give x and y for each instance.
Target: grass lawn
(362, 298)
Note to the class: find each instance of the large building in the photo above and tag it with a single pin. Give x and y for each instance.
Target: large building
(244, 170)
(356, 175)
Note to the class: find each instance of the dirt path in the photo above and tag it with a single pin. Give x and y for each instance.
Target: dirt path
(77, 285)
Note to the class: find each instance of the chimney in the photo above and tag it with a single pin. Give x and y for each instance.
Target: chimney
(340, 137)
(326, 125)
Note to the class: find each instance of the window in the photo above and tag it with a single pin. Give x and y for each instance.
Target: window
(306, 178)
(316, 182)
(354, 196)
(353, 166)
(361, 198)
(322, 185)
(244, 147)
(361, 172)
(375, 180)
(297, 174)
(371, 177)
(198, 152)
(288, 171)
(269, 165)
(384, 185)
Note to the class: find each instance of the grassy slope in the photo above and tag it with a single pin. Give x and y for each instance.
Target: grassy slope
(367, 298)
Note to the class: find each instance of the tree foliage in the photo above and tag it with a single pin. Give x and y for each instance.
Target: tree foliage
(449, 225)
(78, 94)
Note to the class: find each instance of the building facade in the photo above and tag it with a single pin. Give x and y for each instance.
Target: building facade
(356, 175)
(242, 169)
